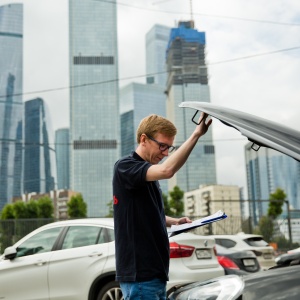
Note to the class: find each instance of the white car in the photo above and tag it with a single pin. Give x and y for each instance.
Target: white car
(241, 241)
(75, 260)
(294, 251)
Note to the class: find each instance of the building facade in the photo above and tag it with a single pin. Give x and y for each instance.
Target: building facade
(206, 200)
(268, 170)
(62, 152)
(39, 152)
(188, 81)
(11, 105)
(94, 104)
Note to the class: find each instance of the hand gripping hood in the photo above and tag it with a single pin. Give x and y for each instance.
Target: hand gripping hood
(260, 131)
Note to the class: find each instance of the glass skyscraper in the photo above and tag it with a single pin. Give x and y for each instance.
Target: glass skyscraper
(39, 153)
(11, 106)
(188, 81)
(156, 45)
(62, 150)
(268, 170)
(94, 103)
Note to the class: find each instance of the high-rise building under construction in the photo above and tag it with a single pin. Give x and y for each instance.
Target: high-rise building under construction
(188, 81)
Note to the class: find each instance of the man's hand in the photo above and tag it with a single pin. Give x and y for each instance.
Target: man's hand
(183, 220)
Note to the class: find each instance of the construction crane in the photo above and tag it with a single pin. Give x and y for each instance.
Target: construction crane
(191, 7)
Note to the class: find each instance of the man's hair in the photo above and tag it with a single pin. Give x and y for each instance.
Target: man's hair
(154, 124)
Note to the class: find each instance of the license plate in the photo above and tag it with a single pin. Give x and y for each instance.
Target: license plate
(248, 262)
(267, 256)
(203, 253)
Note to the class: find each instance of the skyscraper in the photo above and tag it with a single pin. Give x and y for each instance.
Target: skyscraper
(94, 107)
(157, 39)
(268, 170)
(62, 151)
(11, 106)
(39, 153)
(188, 81)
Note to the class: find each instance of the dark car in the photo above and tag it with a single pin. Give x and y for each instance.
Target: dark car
(288, 259)
(275, 284)
(237, 262)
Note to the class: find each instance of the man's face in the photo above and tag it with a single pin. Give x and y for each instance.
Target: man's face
(155, 151)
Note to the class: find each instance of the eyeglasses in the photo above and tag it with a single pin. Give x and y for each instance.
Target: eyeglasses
(162, 146)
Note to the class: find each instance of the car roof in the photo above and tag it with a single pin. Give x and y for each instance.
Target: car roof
(260, 131)
(87, 221)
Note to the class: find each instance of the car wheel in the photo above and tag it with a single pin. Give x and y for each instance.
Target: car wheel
(110, 291)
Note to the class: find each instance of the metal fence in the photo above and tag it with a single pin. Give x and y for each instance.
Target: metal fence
(13, 230)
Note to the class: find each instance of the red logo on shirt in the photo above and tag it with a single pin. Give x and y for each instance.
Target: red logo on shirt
(115, 200)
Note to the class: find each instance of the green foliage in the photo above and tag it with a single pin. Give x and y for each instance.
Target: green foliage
(33, 209)
(110, 209)
(168, 211)
(266, 228)
(77, 208)
(45, 207)
(20, 210)
(176, 201)
(284, 244)
(276, 202)
(7, 212)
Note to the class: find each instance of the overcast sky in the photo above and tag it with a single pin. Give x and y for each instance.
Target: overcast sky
(251, 61)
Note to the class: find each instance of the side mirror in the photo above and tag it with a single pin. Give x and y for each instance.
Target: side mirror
(10, 253)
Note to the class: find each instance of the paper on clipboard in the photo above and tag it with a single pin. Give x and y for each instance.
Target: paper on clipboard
(176, 229)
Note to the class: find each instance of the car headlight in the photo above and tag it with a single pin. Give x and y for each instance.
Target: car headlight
(227, 287)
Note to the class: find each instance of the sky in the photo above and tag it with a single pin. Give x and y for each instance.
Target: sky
(252, 54)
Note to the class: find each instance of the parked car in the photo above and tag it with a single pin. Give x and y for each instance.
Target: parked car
(75, 259)
(263, 251)
(273, 284)
(239, 262)
(287, 259)
(294, 250)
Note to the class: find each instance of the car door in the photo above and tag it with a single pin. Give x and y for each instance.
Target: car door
(25, 276)
(81, 259)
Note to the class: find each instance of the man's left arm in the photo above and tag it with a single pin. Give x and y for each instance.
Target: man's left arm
(176, 221)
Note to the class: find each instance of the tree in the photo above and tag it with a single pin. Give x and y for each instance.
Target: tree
(7, 212)
(276, 202)
(110, 209)
(20, 210)
(266, 228)
(32, 209)
(176, 201)
(266, 223)
(45, 208)
(77, 207)
(168, 211)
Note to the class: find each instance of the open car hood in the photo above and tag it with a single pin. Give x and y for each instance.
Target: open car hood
(260, 131)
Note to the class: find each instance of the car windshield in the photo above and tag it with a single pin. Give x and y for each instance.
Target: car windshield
(256, 242)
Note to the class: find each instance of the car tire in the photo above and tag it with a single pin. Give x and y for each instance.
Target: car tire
(110, 291)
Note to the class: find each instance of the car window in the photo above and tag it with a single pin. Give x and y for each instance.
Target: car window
(227, 243)
(79, 236)
(256, 242)
(111, 234)
(40, 242)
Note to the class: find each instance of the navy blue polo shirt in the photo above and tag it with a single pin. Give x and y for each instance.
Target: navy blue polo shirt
(141, 239)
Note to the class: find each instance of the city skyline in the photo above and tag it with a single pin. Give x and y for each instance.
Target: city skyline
(266, 85)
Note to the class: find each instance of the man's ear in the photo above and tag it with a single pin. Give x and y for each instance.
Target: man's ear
(143, 138)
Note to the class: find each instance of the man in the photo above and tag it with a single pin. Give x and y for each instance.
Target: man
(142, 244)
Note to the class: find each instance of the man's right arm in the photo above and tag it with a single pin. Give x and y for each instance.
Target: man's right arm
(171, 165)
